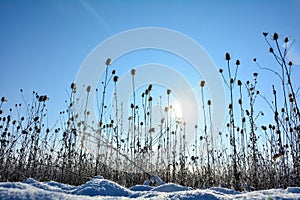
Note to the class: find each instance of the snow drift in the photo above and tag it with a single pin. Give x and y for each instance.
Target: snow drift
(100, 188)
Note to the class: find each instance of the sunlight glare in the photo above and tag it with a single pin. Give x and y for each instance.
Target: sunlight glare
(177, 109)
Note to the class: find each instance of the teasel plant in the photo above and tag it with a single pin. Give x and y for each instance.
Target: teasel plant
(182, 154)
(212, 151)
(174, 137)
(80, 126)
(116, 128)
(232, 77)
(268, 149)
(24, 139)
(134, 115)
(160, 145)
(285, 108)
(101, 109)
(261, 157)
(8, 143)
(253, 93)
(206, 136)
(35, 127)
(69, 127)
(151, 131)
(168, 141)
(148, 129)
(242, 131)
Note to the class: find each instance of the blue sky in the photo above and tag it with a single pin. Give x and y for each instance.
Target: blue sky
(43, 43)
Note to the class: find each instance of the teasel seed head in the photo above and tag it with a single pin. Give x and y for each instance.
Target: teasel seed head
(3, 99)
(209, 102)
(108, 61)
(265, 34)
(36, 119)
(166, 109)
(133, 71)
(247, 112)
(202, 83)
(240, 101)
(169, 91)
(275, 36)
(270, 126)
(73, 87)
(227, 56)
(286, 39)
(239, 83)
(116, 78)
(88, 89)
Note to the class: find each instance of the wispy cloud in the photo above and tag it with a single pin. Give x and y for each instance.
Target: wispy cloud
(90, 9)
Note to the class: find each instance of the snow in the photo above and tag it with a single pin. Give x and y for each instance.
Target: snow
(100, 188)
(170, 187)
(141, 188)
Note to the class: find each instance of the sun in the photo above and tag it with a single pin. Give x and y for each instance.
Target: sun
(176, 109)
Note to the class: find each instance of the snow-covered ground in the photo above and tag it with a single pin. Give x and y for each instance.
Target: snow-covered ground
(99, 188)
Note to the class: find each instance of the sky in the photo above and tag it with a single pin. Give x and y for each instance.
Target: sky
(44, 43)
